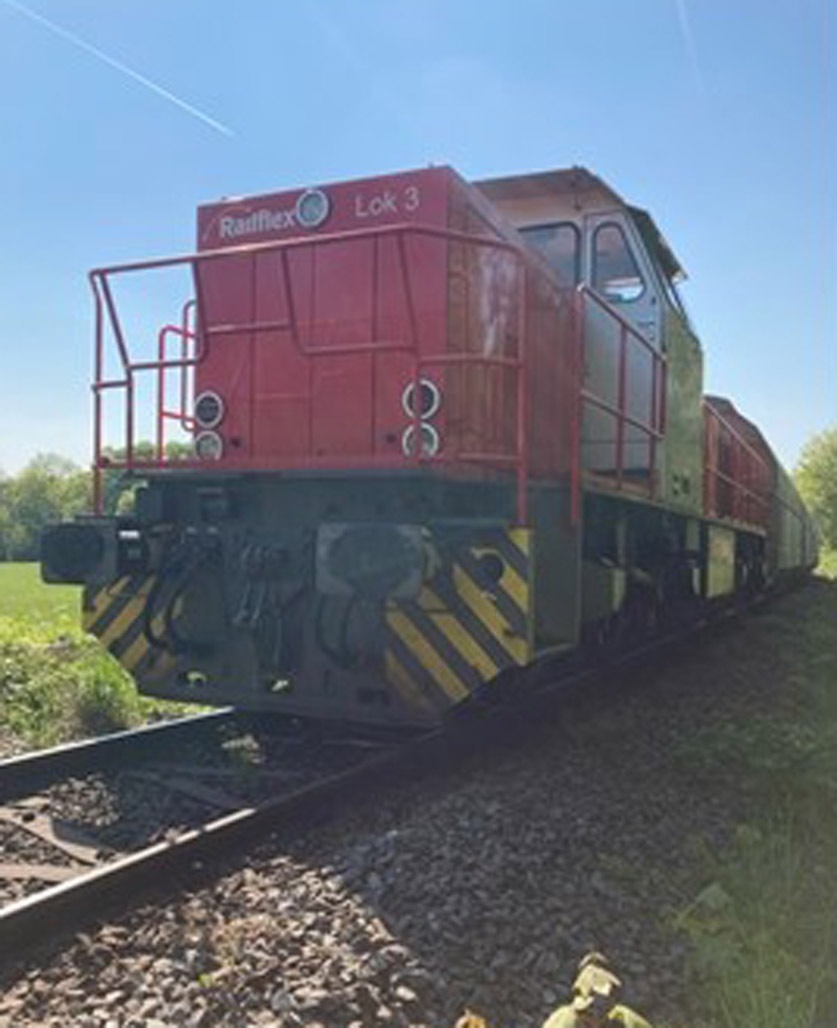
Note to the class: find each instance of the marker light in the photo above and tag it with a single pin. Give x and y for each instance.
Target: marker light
(209, 409)
(429, 441)
(209, 446)
(430, 398)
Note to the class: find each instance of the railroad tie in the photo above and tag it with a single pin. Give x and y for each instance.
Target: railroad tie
(52, 873)
(63, 835)
(195, 790)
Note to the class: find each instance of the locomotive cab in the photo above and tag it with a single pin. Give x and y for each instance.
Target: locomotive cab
(589, 236)
(641, 358)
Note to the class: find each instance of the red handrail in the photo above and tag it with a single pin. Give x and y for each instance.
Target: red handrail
(654, 429)
(186, 334)
(203, 334)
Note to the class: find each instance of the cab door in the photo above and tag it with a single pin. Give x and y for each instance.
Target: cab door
(617, 267)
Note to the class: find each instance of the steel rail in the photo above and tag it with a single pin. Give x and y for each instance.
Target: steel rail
(68, 905)
(31, 771)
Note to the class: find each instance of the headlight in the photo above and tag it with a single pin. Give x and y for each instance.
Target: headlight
(429, 440)
(209, 446)
(209, 409)
(312, 208)
(430, 398)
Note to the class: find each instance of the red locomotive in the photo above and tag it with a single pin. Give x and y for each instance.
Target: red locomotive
(437, 430)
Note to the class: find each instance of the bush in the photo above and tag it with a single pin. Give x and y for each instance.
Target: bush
(56, 689)
(816, 478)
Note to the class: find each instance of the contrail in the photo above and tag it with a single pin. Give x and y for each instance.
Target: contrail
(691, 49)
(71, 37)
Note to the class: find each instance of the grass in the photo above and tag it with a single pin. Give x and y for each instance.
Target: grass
(56, 683)
(828, 564)
(763, 925)
(24, 595)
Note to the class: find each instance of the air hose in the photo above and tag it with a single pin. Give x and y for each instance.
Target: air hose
(180, 564)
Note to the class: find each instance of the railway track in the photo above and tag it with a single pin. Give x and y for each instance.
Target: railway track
(103, 820)
(86, 825)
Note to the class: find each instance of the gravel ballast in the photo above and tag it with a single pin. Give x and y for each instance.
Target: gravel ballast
(477, 887)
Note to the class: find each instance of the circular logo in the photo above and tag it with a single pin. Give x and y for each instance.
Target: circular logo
(312, 208)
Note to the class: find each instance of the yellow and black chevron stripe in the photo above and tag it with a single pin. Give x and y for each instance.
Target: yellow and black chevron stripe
(466, 625)
(115, 614)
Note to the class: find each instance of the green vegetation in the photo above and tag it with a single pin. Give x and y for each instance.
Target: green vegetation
(828, 564)
(52, 488)
(763, 928)
(55, 682)
(23, 595)
(816, 478)
(48, 489)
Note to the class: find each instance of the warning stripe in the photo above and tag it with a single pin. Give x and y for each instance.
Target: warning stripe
(129, 615)
(459, 635)
(138, 646)
(403, 682)
(495, 648)
(510, 582)
(514, 615)
(482, 606)
(134, 645)
(465, 627)
(450, 644)
(118, 620)
(444, 676)
(437, 697)
(513, 546)
(106, 604)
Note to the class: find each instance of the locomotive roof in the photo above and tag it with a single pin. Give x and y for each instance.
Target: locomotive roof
(577, 181)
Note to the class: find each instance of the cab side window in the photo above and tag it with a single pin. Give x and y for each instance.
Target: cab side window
(559, 244)
(616, 274)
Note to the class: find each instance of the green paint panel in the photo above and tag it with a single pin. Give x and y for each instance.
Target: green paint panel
(682, 466)
(720, 569)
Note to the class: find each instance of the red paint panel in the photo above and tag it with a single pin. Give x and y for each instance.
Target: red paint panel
(287, 395)
(312, 343)
(343, 422)
(739, 466)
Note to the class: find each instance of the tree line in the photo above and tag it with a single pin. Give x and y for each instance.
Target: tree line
(52, 488)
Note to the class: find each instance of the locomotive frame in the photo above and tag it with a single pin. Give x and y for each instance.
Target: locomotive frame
(570, 485)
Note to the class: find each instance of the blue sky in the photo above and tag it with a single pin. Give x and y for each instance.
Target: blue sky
(716, 115)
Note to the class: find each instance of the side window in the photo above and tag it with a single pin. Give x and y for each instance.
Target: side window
(616, 274)
(559, 244)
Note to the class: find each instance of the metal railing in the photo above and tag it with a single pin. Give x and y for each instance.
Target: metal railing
(196, 334)
(627, 336)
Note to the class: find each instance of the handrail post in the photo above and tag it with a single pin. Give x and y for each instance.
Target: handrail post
(161, 390)
(652, 438)
(186, 334)
(413, 332)
(523, 455)
(577, 402)
(620, 405)
(97, 403)
(129, 418)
